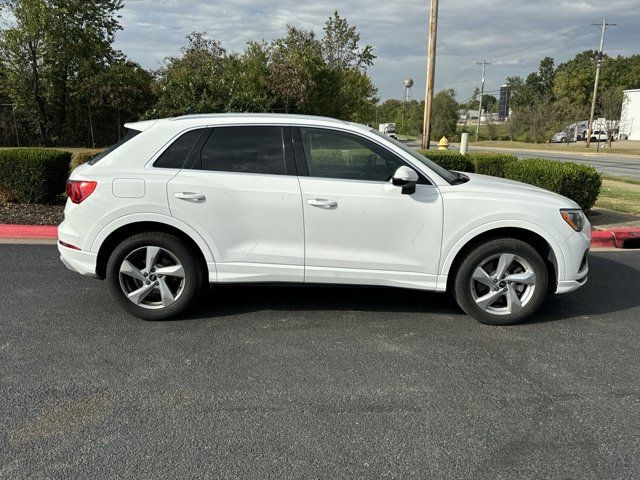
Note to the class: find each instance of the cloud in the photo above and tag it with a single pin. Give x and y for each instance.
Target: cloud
(511, 34)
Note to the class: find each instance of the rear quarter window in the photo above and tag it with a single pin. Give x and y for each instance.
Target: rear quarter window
(178, 152)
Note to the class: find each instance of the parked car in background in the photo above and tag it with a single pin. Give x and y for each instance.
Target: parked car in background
(560, 137)
(598, 136)
(242, 198)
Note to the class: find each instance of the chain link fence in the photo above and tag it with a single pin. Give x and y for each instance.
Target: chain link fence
(89, 126)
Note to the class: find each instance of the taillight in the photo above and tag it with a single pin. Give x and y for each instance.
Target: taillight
(79, 190)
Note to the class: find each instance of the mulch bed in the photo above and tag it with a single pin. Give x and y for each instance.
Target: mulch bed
(32, 214)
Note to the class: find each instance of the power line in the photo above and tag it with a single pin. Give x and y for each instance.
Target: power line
(528, 47)
(563, 34)
(622, 11)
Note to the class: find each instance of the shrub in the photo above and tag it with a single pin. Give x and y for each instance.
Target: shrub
(33, 175)
(581, 183)
(493, 164)
(81, 157)
(450, 160)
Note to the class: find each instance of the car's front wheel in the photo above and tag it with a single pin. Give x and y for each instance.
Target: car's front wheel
(502, 281)
(154, 275)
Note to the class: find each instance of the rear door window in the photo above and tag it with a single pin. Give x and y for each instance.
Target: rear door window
(249, 149)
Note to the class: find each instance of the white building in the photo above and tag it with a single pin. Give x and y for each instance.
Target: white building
(630, 118)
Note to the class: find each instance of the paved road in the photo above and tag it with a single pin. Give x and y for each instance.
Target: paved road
(265, 382)
(613, 164)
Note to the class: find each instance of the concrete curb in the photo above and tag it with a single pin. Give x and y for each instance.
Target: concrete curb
(614, 238)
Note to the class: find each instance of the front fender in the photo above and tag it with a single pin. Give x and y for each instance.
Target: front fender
(450, 254)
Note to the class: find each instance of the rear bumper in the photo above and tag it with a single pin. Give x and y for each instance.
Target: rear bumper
(78, 261)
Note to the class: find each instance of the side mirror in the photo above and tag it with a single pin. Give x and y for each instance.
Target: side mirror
(407, 178)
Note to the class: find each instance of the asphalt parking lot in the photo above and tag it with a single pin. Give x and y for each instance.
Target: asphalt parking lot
(275, 382)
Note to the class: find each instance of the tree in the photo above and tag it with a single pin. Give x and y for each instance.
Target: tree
(296, 61)
(574, 79)
(540, 120)
(444, 116)
(567, 114)
(192, 83)
(611, 109)
(246, 76)
(49, 52)
(124, 88)
(340, 46)
(492, 128)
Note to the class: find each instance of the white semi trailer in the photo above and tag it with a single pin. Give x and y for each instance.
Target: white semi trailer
(388, 129)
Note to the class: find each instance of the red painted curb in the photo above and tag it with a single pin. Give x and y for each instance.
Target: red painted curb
(614, 238)
(602, 239)
(28, 231)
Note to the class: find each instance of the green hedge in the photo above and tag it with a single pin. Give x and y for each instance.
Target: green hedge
(486, 163)
(33, 175)
(81, 157)
(450, 160)
(581, 183)
(493, 164)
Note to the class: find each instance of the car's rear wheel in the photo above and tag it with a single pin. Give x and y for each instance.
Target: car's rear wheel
(502, 281)
(154, 276)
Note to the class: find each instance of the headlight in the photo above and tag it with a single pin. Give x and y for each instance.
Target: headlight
(574, 217)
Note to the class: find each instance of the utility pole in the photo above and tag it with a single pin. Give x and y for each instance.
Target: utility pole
(484, 64)
(603, 28)
(431, 67)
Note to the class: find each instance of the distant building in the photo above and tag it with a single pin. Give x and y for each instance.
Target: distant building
(629, 127)
(503, 105)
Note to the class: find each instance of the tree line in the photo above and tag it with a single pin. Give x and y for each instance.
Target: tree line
(555, 96)
(544, 102)
(61, 73)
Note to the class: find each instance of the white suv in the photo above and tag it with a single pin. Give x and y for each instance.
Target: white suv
(183, 202)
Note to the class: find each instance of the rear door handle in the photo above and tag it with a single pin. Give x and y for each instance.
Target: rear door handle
(190, 197)
(322, 203)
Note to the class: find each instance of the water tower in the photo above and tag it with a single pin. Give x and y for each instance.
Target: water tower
(408, 94)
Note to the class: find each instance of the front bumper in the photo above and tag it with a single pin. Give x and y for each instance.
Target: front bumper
(78, 261)
(576, 251)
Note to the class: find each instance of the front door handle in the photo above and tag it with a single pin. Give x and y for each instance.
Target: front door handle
(190, 197)
(322, 203)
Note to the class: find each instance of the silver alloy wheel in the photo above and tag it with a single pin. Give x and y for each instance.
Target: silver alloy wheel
(152, 277)
(503, 284)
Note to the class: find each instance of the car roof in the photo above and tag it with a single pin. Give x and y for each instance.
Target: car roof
(248, 118)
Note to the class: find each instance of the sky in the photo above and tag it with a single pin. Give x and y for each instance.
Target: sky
(511, 34)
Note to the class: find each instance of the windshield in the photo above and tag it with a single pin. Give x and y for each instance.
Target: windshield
(448, 176)
(127, 136)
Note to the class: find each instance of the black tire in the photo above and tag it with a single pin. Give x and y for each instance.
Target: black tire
(190, 285)
(493, 249)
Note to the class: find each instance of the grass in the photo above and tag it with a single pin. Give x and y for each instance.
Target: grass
(615, 178)
(620, 196)
(557, 147)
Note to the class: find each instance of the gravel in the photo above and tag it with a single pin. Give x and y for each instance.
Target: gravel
(31, 214)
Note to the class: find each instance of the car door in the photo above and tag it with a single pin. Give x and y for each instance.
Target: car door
(240, 189)
(359, 227)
